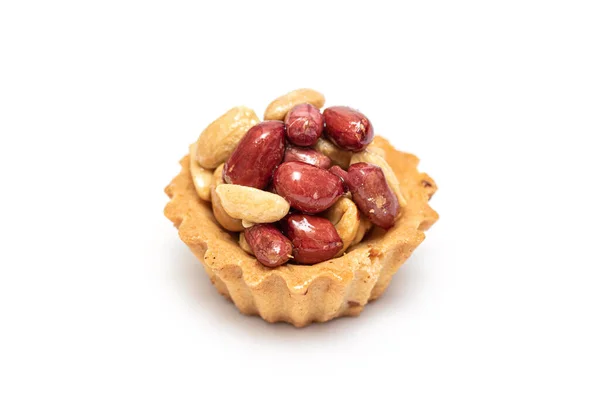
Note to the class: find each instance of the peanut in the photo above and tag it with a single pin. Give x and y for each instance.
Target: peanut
(303, 125)
(345, 217)
(251, 204)
(279, 107)
(219, 139)
(270, 247)
(372, 194)
(306, 155)
(308, 188)
(338, 156)
(201, 177)
(373, 156)
(256, 156)
(348, 128)
(231, 224)
(340, 173)
(314, 239)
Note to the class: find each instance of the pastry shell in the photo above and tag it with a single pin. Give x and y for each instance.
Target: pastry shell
(300, 294)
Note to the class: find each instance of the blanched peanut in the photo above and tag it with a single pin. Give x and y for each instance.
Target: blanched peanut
(370, 156)
(219, 139)
(231, 224)
(279, 107)
(252, 205)
(363, 228)
(244, 244)
(201, 177)
(345, 217)
(338, 156)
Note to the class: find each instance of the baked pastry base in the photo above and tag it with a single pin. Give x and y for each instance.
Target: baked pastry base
(303, 294)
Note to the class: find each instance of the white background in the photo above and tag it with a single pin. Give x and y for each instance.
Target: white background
(99, 299)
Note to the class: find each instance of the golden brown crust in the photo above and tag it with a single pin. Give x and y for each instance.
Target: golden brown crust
(304, 294)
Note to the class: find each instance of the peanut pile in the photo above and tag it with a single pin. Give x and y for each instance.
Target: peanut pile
(302, 186)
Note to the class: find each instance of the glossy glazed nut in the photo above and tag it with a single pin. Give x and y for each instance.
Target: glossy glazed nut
(314, 239)
(252, 205)
(227, 222)
(343, 175)
(363, 228)
(201, 177)
(340, 173)
(371, 156)
(279, 107)
(372, 194)
(219, 139)
(306, 155)
(244, 244)
(336, 155)
(345, 217)
(348, 128)
(304, 125)
(307, 188)
(270, 247)
(256, 156)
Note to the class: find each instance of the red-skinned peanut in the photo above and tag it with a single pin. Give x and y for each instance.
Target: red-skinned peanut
(307, 188)
(348, 128)
(270, 247)
(306, 155)
(372, 194)
(314, 239)
(342, 174)
(256, 156)
(304, 125)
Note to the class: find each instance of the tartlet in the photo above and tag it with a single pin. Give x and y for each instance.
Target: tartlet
(301, 294)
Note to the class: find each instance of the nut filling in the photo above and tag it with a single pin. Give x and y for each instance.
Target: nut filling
(301, 187)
